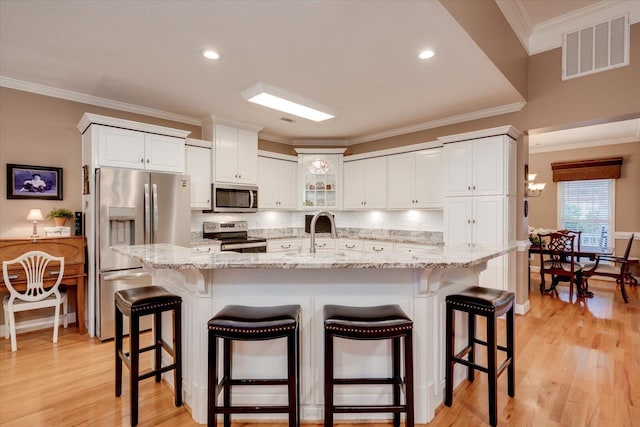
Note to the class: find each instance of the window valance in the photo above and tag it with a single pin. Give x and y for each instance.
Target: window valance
(587, 169)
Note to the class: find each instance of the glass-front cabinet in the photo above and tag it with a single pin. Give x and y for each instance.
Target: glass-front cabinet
(321, 179)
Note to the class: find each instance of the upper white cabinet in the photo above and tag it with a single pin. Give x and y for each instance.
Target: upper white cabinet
(198, 165)
(132, 149)
(113, 142)
(480, 167)
(277, 181)
(365, 184)
(236, 155)
(415, 179)
(320, 178)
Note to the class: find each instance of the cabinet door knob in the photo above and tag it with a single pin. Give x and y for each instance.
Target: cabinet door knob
(142, 160)
(468, 221)
(474, 187)
(147, 160)
(416, 201)
(469, 188)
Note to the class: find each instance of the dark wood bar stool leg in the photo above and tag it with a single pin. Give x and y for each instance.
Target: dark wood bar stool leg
(492, 368)
(157, 326)
(397, 379)
(450, 333)
(408, 375)
(118, 345)
(328, 378)
(471, 326)
(134, 360)
(177, 353)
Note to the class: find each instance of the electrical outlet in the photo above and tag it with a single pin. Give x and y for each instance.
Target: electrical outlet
(311, 413)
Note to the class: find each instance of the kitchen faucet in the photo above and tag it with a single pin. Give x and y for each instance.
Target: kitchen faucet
(312, 226)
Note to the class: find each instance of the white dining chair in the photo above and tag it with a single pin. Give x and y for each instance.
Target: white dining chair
(35, 295)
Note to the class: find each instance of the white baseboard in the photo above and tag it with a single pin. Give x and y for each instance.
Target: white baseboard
(523, 309)
(35, 324)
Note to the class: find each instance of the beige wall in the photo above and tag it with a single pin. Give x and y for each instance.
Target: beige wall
(40, 130)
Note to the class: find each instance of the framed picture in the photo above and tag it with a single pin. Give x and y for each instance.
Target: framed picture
(34, 182)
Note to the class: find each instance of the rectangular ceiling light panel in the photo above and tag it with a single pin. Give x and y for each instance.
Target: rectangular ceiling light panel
(281, 100)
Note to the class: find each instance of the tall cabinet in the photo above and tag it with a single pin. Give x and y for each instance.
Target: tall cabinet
(479, 177)
(320, 178)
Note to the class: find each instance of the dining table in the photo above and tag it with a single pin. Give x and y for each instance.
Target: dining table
(585, 253)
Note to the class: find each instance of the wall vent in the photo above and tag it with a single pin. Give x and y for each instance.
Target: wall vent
(596, 48)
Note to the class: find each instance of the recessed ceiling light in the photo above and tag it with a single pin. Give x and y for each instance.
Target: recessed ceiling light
(281, 100)
(426, 54)
(210, 54)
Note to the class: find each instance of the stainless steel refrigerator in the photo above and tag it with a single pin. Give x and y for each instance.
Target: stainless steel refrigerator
(134, 208)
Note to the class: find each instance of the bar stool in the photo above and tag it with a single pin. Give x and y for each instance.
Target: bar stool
(370, 323)
(489, 303)
(135, 303)
(244, 323)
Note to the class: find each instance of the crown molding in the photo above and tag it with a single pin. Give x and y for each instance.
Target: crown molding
(321, 142)
(94, 100)
(275, 138)
(580, 145)
(88, 119)
(482, 133)
(518, 18)
(489, 112)
(320, 150)
(213, 118)
(549, 34)
(279, 156)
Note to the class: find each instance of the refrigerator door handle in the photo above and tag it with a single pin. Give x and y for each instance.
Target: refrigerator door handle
(125, 276)
(147, 215)
(155, 212)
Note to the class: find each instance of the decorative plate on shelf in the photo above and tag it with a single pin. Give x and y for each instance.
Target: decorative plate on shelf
(319, 166)
(320, 185)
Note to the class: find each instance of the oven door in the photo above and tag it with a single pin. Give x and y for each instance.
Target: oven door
(234, 198)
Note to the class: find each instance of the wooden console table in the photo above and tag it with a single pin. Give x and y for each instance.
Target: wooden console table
(71, 248)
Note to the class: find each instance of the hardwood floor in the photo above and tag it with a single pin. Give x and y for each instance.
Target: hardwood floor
(577, 364)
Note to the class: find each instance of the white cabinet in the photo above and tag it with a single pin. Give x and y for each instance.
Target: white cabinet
(284, 245)
(198, 166)
(480, 167)
(415, 180)
(377, 247)
(487, 221)
(352, 245)
(277, 183)
(321, 180)
(236, 155)
(365, 184)
(323, 244)
(409, 248)
(124, 148)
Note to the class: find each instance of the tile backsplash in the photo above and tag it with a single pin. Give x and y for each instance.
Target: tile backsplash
(412, 220)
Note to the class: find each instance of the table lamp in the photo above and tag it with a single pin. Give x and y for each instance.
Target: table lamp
(35, 215)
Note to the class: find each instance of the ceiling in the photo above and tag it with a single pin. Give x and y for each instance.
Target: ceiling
(358, 58)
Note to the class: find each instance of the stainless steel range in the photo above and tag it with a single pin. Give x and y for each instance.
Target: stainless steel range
(233, 236)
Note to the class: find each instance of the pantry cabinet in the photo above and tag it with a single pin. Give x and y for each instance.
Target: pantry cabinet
(124, 148)
(365, 184)
(236, 155)
(480, 167)
(415, 180)
(480, 203)
(198, 165)
(277, 183)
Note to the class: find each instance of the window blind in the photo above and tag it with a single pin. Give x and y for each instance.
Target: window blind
(587, 206)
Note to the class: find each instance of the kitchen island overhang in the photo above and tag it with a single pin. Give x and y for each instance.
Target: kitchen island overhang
(419, 283)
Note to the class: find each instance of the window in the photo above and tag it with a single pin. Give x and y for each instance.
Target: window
(587, 206)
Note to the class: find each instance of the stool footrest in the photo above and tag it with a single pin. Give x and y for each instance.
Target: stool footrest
(345, 409)
(471, 365)
(343, 381)
(156, 371)
(253, 409)
(237, 381)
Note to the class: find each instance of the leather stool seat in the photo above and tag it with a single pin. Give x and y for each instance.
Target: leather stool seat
(488, 303)
(245, 323)
(370, 323)
(134, 303)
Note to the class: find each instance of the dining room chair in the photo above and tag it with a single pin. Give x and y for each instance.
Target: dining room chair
(577, 241)
(35, 265)
(561, 261)
(610, 266)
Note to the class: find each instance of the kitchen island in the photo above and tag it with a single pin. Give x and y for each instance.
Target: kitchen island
(417, 282)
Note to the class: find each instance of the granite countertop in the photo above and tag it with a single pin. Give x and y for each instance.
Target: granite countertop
(177, 257)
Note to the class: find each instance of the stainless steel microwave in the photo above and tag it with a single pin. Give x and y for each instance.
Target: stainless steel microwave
(234, 198)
